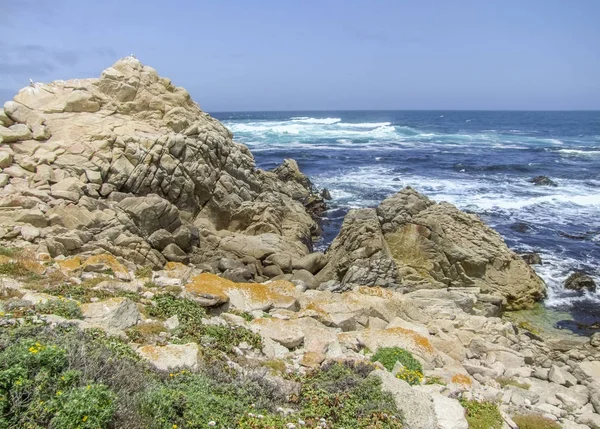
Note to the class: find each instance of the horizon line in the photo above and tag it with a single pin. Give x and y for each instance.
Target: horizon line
(403, 110)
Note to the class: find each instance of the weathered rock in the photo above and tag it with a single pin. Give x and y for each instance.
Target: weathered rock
(14, 133)
(580, 281)
(113, 313)
(174, 253)
(243, 296)
(559, 376)
(417, 407)
(171, 356)
(313, 262)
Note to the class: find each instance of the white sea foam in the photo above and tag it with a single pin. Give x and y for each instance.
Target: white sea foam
(324, 121)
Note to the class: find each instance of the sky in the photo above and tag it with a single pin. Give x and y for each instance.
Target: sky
(321, 55)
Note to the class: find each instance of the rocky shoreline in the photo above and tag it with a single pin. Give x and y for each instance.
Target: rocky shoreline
(123, 189)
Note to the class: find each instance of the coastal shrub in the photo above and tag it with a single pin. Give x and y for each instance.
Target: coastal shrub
(61, 307)
(435, 380)
(9, 252)
(66, 378)
(534, 421)
(85, 291)
(345, 396)
(191, 328)
(482, 415)
(412, 372)
(144, 331)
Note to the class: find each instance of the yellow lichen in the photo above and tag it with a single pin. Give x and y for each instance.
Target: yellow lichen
(375, 291)
(174, 266)
(462, 379)
(70, 264)
(106, 259)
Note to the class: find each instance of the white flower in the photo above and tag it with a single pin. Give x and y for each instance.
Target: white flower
(212, 423)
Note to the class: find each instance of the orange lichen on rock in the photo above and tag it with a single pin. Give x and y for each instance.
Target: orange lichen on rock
(253, 295)
(174, 266)
(375, 291)
(69, 264)
(417, 338)
(462, 379)
(106, 259)
(32, 266)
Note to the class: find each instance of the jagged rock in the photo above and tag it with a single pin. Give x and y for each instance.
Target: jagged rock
(543, 181)
(171, 356)
(359, 255)
(580, 281)
(415, 243)
(141, 145)
(532, 258)
(559, 376)
(160, 239)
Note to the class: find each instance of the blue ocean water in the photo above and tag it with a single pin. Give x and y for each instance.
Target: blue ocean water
(480, 161)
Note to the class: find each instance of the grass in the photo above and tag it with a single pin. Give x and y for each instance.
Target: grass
(412, 371)
(534, 421)
(9, 252)
(482, 415)
(144, 332)
(18, 269)
(506, 381)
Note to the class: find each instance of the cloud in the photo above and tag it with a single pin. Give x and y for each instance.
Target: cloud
(20, 62)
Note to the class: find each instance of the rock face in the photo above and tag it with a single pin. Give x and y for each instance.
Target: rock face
(108, 162)
(414, 243)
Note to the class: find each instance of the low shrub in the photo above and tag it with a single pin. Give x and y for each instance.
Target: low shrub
(412, 372)
(143, 272)
(435, 380)
(345, 396)
(534, 421)
(61, 307)
(507, 381)
(482, 415)
(191, 328)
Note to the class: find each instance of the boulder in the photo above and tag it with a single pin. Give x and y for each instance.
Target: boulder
(113, 313)
(417, 407)
(171, 356)
(532, 258)
(313, 262)
(580, 281)
(14, 133)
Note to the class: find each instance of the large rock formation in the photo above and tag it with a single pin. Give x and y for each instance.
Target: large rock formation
(413, 243)
(130, 164)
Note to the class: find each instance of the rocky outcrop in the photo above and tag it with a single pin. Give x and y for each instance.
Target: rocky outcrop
(109, 163)
(410, 242)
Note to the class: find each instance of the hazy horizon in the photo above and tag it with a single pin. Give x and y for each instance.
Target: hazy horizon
(322, 56)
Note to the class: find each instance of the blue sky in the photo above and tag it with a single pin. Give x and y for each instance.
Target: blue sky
(320, 55)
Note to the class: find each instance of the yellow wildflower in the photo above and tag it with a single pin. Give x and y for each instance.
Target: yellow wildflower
(84, 419)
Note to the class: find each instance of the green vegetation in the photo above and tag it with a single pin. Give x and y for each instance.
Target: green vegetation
(61, 307)
(533, 421)
(482, 415)
(435, 380)
(85, 291)
(143, 272)
(344, 395)
(506, 381)
(412, 372)
(65, 378)
(191, 328)
(9, 251)
(19, 270)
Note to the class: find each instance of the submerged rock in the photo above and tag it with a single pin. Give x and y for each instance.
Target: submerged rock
(543, 181)
(580, 281)
(532, 258)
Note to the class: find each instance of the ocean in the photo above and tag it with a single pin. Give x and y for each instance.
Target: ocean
(481, 161)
